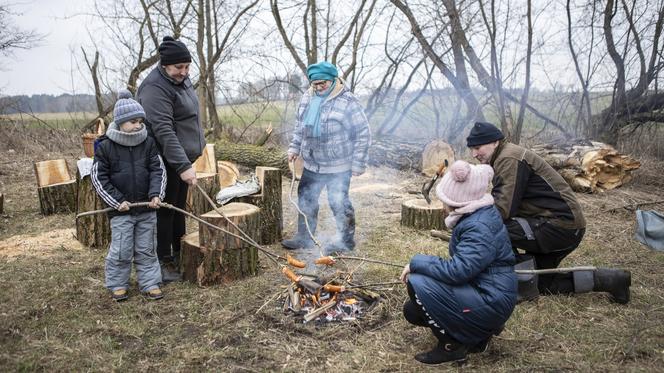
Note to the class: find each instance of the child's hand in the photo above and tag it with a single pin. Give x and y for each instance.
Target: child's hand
(154, 203)
(124, 206)
(404, 273)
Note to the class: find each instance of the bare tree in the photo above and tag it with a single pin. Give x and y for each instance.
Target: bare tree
(633, 105)
(13, 37)
(352, 30)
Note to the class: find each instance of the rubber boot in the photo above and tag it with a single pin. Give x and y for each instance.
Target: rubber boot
(615, 282)
(300, 241)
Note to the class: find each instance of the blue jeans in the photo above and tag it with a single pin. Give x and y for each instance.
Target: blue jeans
(308, 192)
(133, 239)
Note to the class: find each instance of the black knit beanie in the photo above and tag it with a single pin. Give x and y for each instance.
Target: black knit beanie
(173, 51)
(483, 133)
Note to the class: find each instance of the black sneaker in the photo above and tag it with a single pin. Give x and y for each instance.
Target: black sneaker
(444, 353)
(480, 347)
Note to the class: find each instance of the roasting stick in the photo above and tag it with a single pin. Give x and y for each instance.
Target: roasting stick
(297, 207)
(272, 256)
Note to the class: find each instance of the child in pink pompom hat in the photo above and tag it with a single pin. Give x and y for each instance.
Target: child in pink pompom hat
(463, 190)
(467, 298)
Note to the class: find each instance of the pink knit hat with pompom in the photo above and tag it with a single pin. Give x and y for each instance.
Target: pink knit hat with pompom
(464, 183)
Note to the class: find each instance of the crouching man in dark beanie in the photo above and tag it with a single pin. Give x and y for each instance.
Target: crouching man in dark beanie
(542, 215)
(172, 118)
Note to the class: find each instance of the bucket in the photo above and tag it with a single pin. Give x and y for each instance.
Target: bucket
(89, 138)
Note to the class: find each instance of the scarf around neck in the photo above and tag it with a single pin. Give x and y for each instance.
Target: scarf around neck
(126, 138)
(312, 115)
(453, 218)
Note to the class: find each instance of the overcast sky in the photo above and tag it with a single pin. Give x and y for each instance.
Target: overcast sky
(47, 67)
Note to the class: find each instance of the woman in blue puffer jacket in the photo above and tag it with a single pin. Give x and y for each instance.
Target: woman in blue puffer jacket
(467, 298)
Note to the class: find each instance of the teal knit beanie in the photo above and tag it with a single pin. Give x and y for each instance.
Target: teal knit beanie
(322, 71)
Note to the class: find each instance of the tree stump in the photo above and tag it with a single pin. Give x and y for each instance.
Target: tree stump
(416, 213)
(269, 201)
(55, 187)
(214, 257)
(94, 230)
(197, 204)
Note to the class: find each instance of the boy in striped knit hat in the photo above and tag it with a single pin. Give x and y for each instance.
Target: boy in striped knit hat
(127, 169)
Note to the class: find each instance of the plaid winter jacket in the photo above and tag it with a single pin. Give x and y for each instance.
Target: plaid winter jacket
(345, 136)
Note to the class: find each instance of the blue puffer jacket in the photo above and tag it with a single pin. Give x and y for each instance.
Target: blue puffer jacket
(472, 294)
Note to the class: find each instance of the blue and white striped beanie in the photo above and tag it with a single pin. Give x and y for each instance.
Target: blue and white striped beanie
(126, 108)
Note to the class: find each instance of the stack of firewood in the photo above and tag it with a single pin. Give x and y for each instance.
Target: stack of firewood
(591, 167)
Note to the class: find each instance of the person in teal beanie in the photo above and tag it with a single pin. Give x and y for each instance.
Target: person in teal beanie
(332, 136)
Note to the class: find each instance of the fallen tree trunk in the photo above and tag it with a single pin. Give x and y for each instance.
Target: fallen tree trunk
(251, 155)
(590, 167)
(396, 153)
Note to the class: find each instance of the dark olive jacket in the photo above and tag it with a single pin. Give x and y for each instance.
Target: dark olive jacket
(524, 185)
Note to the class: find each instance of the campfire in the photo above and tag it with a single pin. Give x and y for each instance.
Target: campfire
(325, 300)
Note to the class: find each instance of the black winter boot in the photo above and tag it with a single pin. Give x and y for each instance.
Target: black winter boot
(443, 353)
(298, 242)
(614, 281)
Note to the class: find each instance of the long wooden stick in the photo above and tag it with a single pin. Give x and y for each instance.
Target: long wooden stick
(272, 256)
(553, 270)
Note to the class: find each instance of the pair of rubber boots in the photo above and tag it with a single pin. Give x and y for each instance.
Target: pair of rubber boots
(304, 242)
(616, 282)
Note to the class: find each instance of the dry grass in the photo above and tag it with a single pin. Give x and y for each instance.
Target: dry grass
(55, 314)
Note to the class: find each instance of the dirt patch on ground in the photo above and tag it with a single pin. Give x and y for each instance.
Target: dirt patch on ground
(42, 245)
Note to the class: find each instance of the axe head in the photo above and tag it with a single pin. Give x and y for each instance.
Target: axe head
(426, 188)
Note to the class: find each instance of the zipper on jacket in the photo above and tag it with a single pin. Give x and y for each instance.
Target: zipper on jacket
(133, 174)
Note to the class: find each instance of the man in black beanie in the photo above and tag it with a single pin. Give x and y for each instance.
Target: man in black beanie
(541, 213)
(172, 118)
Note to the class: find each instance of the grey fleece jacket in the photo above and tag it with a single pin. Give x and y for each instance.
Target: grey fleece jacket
(172, 118)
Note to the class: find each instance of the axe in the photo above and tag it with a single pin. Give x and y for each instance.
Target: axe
(426, 188)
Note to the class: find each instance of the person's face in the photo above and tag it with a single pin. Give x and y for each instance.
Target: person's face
(483, 153)
(178, 72)
(321, 86)
(132, 125)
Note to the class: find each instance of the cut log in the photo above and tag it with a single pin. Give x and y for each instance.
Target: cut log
(55, 187)
(206, 164)
(228, 173)
(93, 231)
(269, 201)
(434, 155)
(197, 204)
(416, 213)
(251, 155)
(589, 167)
(220, 257)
